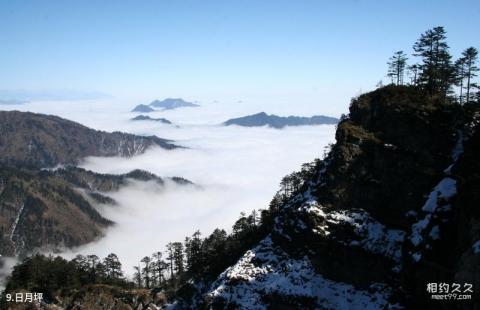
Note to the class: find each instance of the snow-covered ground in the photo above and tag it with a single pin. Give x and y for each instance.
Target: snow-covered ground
(267, 270)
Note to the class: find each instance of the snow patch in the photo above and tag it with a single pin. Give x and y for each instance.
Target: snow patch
(267, 270)
(476, 247)
(445, 189)
(417, 237)
(373, 236)
(435, 232)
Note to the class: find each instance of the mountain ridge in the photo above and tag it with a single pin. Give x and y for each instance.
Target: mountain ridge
(278, 122)
(148, 118)
(172, 103)
(165, 104)
(55, 209)
(40, 140)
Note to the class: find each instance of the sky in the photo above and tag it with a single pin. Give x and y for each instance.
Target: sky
(234, 58)
(314, 52)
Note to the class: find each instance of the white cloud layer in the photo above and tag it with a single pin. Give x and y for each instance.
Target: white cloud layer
(238, 169)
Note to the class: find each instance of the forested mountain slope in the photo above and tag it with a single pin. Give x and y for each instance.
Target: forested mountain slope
(38, 140)
(49, 210)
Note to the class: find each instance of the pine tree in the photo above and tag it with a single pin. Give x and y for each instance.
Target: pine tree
(241, 225)
(113, 266)
(470, 57)
(193, 252)
(413, 72)
(147, 271)
(170, 258)
(396, 67)
(254, 219)
(436, 71)
(92, 261)
(101, 272)
(159, 266)
(460, 76)
(81, 262)
(138, 275)
(178, 258)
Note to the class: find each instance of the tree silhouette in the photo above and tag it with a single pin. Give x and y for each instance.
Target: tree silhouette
(436, 71)
(469, 58)
(396, 67)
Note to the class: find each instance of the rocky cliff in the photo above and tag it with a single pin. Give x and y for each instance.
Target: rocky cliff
(37, 140)
(391, 208)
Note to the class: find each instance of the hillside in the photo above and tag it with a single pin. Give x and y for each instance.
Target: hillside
(42, 209)
(40, 140)
(262, 119)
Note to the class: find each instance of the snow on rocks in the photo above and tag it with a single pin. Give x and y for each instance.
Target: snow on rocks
(417, 230)
(438, 202)
(370, 234)
(476, 247)
(445, 189)
(267, 270)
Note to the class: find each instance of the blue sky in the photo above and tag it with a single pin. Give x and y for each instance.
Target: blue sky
(309, 51)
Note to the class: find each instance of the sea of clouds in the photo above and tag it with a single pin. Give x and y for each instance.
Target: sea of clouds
(236, 169)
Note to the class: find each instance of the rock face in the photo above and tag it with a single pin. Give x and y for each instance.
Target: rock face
(392, 207)
(172, 103)
(43, 209)
(262, 119)
(38, 140)
(148, 118)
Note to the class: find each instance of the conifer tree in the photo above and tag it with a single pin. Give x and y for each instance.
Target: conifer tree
(396, 67)
(146, 271)
(170, 258)
(460, 76)
(436, 71)
(159, 266)
(413, 72)
(113, 266)
(178, 258)
(470, 58)
(138, 275)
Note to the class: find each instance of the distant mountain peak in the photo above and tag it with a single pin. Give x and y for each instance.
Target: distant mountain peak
(262, 119)
(172, 103)
(148, 118)
(143, 108)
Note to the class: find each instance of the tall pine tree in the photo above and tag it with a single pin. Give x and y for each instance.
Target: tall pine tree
(436, 70)
(396, 67)
(470, 58)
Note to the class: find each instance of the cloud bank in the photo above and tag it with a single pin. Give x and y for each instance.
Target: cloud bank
(237, 169)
